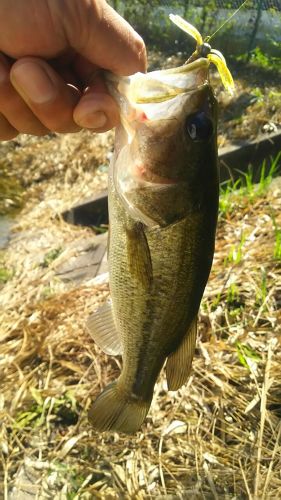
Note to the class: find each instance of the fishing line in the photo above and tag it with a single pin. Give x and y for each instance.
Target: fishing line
(227, 20)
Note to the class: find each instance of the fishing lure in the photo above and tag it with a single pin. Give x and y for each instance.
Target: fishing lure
(204, 49)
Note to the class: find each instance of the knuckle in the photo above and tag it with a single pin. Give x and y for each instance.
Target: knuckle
(5, 66)
(32, 127)
(140, 45)
(8, 135)
(38, 133)
(140, 50)
(5, 89)
(7, 131)
(70, 129)
(61, 124)
(22, 119)
(34, 131)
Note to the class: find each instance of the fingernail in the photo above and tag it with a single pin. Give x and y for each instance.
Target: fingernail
(92, 120)
(34, 82)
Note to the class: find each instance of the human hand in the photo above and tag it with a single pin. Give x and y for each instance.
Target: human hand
(51, 55)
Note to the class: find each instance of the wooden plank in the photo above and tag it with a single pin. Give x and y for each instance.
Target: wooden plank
(236, 159)
(90, 212)
(91, 258)
(232, 159)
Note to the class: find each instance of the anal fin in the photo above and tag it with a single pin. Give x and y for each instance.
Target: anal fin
(102, 329)
(179, 363)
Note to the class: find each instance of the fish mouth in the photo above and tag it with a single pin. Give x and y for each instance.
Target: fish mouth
(160, 85)
(164, 85)
(145, 175)
(201, 62)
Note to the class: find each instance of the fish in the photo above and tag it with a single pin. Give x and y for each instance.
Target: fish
(163, 193)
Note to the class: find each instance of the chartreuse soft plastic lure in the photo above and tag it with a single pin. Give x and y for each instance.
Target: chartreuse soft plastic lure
(203, 49)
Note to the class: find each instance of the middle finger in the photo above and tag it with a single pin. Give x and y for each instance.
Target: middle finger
(13, 107)
(50, 98)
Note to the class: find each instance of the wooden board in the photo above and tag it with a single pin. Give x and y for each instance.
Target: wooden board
(90, 261)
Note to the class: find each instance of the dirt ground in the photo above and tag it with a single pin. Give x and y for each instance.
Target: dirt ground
(217, 437)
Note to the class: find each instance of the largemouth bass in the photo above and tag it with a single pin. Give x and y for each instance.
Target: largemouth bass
(163, 205)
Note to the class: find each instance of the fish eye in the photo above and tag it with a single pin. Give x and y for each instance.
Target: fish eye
(199, 127)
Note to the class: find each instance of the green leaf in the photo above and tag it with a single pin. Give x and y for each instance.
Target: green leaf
(36, 396)
(51, 256)
(245, 353)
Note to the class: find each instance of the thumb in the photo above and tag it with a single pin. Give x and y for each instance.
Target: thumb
(98, 33)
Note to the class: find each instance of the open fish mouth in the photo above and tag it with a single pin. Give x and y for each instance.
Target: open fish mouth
(151, 104)
(161, 85)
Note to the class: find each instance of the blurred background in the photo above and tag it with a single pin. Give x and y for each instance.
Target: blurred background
(253, 33)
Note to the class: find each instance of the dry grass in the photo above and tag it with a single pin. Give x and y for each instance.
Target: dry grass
(217, 437)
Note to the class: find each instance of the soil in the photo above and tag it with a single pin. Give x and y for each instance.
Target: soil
(219, 435)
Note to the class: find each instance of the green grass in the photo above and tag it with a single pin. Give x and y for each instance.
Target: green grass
(216, 301)
(235, 254)
(226, 203)
(277, 245)
(232, 294)
(59, 472)
(262, 60)
(262, 290)
(258, 93)
(246, 187)
(247, 356)
(5, 275)
(62, 409)
(59, 412)
(51, 256)
(11, 191)
(266, 177)
(103, 228)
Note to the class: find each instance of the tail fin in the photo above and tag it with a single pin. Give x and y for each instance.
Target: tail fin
(114, 411)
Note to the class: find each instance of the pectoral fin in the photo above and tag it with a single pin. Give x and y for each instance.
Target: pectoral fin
(179, 363)
(102, 329)
(138, 252)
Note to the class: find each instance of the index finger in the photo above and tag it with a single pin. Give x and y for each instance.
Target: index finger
(106, 40)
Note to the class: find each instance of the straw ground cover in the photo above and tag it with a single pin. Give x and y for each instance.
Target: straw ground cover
(217, 437)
